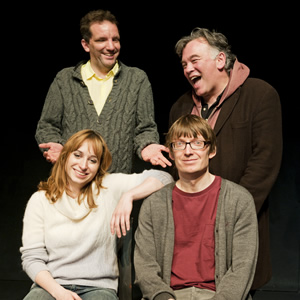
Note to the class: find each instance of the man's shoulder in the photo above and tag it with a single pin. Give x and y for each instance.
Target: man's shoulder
(161, 194)
(232, 187)
(70, 71)
(184, 101)
(131, 70)
(257, 84)
(186, 97)
(183, 105)
(235, 196)
(260, 92)
(167, 188)
(158, 203)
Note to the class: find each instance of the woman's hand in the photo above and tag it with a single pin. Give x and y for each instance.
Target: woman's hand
(64, 294)
(120, 221)
(47, 282)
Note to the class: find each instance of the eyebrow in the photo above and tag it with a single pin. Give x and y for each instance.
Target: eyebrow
(190, 58)
(92, 155)
(191, 138)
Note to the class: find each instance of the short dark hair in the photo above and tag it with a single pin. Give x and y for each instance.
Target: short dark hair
(95, 16)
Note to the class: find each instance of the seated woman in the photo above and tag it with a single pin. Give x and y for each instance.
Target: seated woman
(69, 246)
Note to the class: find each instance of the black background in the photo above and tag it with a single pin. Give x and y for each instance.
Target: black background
(39, 40)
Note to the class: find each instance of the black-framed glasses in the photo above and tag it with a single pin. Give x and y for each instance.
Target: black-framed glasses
(195, 145)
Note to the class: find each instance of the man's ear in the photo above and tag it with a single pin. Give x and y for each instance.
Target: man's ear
(171, 155)
(212, 154)
(85, 45)
(221, 60)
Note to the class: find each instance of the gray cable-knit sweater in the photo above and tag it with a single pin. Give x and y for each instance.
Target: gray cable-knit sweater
(126, 122)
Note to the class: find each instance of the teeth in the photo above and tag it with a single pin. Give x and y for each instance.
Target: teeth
(80, 173)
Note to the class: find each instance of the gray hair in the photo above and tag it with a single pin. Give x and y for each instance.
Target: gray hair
(215, 39)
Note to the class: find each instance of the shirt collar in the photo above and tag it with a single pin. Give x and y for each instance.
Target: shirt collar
(91, 73)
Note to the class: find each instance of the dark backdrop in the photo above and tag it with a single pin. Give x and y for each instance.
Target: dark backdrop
(39, 41)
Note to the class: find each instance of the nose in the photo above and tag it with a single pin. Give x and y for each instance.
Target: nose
(188, 150)
(110, 45)
(188, 68)
(83, 164)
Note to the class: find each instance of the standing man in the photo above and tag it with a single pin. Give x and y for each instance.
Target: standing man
(105, 95)
(245, 114)
(197, 238)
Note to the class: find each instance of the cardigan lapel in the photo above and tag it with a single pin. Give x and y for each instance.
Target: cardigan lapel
(169, 244)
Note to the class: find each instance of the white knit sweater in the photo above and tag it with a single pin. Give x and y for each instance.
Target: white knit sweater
(73, 242)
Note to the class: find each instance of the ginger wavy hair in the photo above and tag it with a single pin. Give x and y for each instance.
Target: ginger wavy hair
(57, 183)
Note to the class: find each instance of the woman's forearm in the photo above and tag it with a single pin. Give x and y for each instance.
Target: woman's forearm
(146, 188)
(48, 283)
(120, 221)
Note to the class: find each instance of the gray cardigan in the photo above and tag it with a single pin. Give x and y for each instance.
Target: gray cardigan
(126, 122)
(236, 244)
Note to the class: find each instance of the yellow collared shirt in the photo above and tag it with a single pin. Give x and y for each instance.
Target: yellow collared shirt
(99, 88)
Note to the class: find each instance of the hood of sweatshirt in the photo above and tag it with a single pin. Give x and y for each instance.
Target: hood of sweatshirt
(238, 75)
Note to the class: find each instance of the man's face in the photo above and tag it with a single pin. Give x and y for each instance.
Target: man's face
(200, 67)
(189, 161)
(103, 46)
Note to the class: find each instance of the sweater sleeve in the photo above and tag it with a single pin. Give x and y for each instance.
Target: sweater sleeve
(164, 177)
(33, 250)
(126, 182)
(49, 126)
(146, 129)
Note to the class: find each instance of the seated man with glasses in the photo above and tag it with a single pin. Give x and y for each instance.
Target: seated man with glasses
(197, 237)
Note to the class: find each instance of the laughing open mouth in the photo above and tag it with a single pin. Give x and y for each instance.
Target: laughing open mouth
(194, 79)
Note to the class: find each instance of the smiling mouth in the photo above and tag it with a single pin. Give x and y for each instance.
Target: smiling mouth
(189, 161)
(195, 79)
(80, 173)
(110, 55)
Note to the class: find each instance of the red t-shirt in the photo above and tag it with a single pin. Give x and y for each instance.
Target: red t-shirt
(194, 249)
